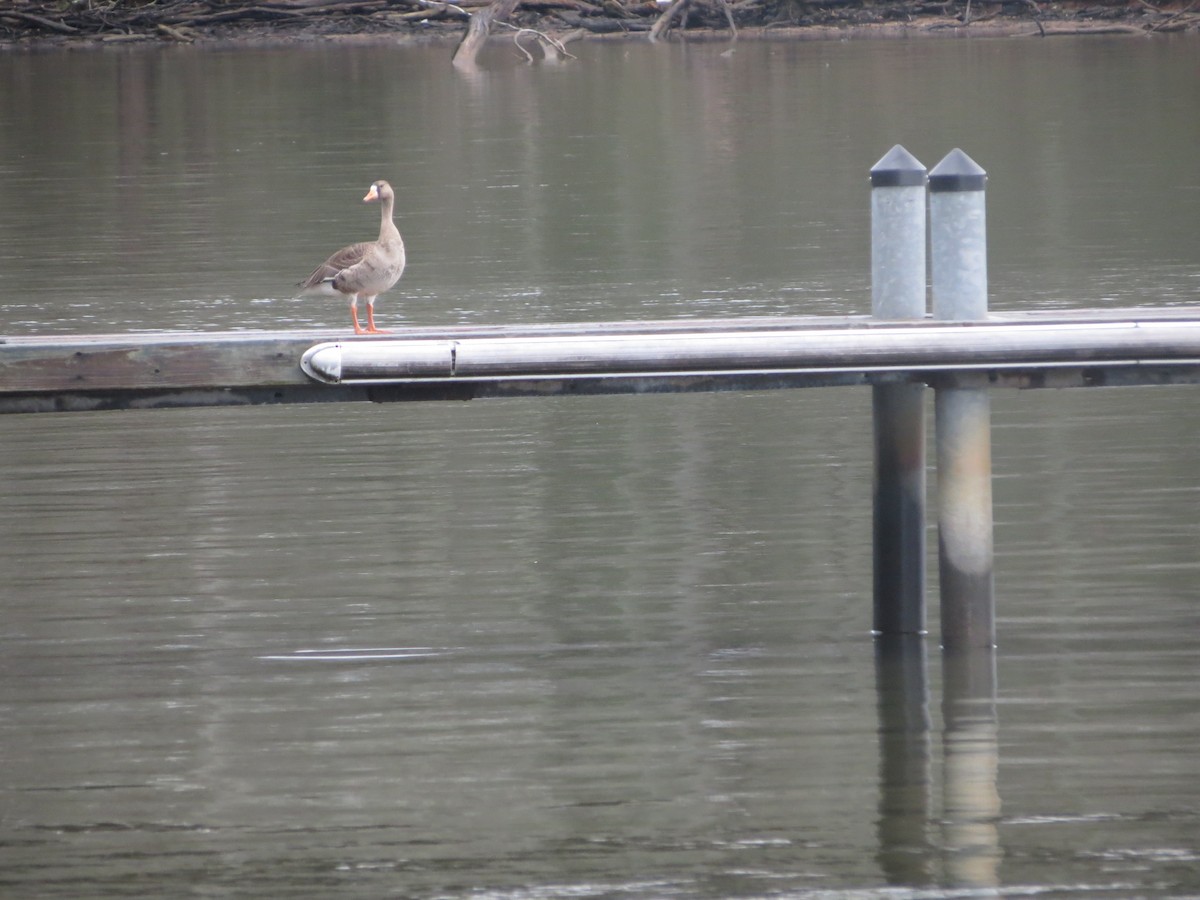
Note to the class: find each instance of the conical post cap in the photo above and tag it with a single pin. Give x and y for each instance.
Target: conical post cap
(898, 168)
(956, 172)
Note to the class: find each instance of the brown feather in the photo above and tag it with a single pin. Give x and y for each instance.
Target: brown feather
(343, 259)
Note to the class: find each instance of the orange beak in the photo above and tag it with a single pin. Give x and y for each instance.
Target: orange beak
(372, 194)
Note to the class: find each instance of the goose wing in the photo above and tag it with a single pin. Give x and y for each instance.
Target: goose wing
(343, 259)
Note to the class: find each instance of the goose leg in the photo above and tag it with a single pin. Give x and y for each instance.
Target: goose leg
(371, 329)
(358, 329)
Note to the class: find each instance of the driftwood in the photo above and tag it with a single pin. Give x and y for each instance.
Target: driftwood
(176, 34)
(187, 20)
(675, 9)
(604, 24)
(679, 9)
(432, 10)
(553, 50)
(1178, 21)
(44, 22)
(478, 28)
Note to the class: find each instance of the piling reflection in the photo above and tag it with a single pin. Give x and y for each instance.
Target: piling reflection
(970, 800)
(902, 683)
(968, 839)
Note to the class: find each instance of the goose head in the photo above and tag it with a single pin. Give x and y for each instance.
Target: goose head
(379, 191)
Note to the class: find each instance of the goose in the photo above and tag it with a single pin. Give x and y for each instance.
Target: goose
(366, 269)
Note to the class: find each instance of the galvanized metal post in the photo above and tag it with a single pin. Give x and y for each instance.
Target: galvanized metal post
(898, 292)
(958, 247)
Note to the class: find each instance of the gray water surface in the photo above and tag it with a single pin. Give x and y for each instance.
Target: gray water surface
(585, 647)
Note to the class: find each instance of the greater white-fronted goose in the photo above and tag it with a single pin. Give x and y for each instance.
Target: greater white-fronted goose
(364, 270)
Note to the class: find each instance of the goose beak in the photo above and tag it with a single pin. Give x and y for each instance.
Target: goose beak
(372, 194)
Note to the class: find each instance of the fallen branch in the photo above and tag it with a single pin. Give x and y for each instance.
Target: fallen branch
(432, 9)
(55, 21)
(664, 21)
(724, 4)
(543, 39)
(246, 12)
(174, 33)
(1171, 19)
(684, 8)
(61, 27)
(555, 5)
(1037, 16)
(603, 25)
(316, 5)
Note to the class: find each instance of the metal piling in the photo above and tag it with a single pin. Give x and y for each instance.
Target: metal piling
(898, 410)
(958, 250)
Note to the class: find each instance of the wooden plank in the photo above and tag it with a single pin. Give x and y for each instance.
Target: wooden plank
(149, 362)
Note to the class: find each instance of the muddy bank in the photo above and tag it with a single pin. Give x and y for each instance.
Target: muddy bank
(87, 23)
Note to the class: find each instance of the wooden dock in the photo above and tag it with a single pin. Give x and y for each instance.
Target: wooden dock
(1080, 348)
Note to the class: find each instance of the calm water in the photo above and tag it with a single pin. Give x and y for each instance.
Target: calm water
(589, 647)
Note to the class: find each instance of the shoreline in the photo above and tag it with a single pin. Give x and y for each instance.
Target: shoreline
(25, 31)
